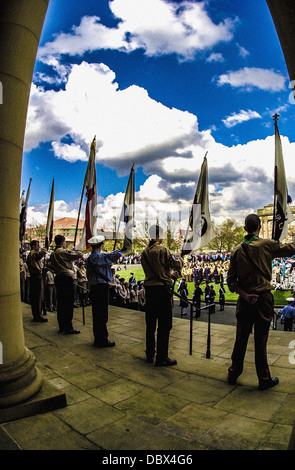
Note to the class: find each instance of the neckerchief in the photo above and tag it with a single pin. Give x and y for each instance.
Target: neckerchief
(248, 238)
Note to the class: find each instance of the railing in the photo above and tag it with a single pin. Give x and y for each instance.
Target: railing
(208, 351)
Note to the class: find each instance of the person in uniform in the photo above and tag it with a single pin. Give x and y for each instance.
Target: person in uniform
(221, 297)
(197, 300)
(99, 275)
(289, 315)
(61, 261)
(159, 267)
(249, 275)
(183, 291)
(35, 267)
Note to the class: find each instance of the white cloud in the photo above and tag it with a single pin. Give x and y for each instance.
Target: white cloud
(240, 182)
(166, 143)
(37, 215)
(253, 77)
(215, 57)
(69, 152)
(242, 51)
(129, 125)
(159, 27)
(242, 116)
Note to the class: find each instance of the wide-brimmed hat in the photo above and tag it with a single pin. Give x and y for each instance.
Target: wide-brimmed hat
(96, 240)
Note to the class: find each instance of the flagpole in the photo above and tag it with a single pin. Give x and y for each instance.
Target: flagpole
(130, 181)
(78, 218)
(23, 214)
(275, 118)
(49, 217)
(190, 222)
(206, 233)
(88, 175)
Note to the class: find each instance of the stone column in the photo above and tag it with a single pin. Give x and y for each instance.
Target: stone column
(21, 23)
(283, 15)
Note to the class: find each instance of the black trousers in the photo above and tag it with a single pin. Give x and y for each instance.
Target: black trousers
(36, 294)
(258, 315)
(288, 324)
(65, 299)
(158, 311)
(99, 296)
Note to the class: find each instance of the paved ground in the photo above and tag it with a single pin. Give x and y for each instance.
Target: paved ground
(117, 401)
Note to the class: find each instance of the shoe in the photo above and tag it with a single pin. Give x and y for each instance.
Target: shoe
(108, 344)
(268, 383)
(40, 319)
(72, 332)
(149, 360)
(166, 362)
(232, 380)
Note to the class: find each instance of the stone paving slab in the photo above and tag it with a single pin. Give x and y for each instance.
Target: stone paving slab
(117, 401)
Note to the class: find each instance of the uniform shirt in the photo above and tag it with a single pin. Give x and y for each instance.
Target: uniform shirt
(288, 311)
(61, 261)
(34, 261)
(157, 262)
(243, 274)
(103, 263)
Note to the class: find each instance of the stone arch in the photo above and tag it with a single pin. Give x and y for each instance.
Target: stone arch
(20, 29)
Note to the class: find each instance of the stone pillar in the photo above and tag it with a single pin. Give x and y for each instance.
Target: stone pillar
(283, 15)
(21, 23)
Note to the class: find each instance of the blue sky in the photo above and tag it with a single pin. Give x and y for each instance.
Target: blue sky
(159, 83)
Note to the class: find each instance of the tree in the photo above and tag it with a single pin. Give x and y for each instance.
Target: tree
(228, 235)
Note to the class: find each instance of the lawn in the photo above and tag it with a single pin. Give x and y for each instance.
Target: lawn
(279, 296)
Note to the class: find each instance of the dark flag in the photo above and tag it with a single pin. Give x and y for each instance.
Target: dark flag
(23, 214)
(91, 203)
(50, 215)
(199, 232)
(127, 214)
(282, 214)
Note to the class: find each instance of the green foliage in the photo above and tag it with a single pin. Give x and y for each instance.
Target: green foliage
(228, 235)
(279, 296)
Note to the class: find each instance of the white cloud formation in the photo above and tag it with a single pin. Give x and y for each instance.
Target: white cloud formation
(165, 142)
(242, 116)
(37, 215)
(129, 125)
(215, 57)
(242, 51)
(159, 27)
(249, 78)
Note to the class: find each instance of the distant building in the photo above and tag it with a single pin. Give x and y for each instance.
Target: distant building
(266, 217)
(66, 227)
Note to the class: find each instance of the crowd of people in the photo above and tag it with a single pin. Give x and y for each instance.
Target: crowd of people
(59, 278)
(124, 293)
(202, 269)
(283, 273)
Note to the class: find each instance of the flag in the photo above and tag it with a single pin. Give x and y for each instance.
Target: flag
(282, 214)
(23, 213)
(91, 195)
(199, 232)
(49, 224)
(127, 214)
